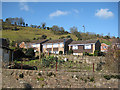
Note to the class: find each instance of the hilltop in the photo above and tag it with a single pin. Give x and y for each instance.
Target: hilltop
(29, 33)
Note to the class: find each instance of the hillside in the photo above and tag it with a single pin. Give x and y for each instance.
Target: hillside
(25, 33)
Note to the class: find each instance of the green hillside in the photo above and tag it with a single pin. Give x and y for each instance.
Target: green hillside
(25, 33)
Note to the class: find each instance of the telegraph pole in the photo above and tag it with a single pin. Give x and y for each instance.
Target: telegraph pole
(84, 28)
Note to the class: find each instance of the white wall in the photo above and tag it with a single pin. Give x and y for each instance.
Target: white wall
(55, 45)
(49, 45)
(87, 46)
(75, 47)
(75, 53)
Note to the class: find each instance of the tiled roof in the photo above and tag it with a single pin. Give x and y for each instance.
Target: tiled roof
(38, 41)
(56, 41)
(83, 42)
(116, 41)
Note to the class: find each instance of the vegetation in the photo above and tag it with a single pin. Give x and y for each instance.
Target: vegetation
(70, 52)
(60, 52)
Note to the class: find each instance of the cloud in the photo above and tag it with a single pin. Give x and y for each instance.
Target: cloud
(104, 13)
(58, 13)
(24, 6)
(76, 11)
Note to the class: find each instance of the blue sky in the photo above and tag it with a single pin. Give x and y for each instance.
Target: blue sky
(97, 17)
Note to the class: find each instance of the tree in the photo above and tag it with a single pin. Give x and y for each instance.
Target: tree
(43, 25)
(44, 36)
(23, 23)
(55, 29)
(62, 29)
(74, 31)
(30, 53)
(48, 28)
(26, 25)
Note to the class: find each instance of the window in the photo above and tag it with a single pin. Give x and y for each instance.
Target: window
(118, 46)
(61, 44)
(75, 53)
(55, 45)
(55, 52)
(75, 47)
(49, 46)
(104, 47)
(44, 46)
(87, 46)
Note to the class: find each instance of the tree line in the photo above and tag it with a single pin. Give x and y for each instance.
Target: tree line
(55, 29)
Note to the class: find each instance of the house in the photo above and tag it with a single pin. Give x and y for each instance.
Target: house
(36, 44)
(89, 46)
(104, 47)
(55, 46)
(116, 44)
(6, 54)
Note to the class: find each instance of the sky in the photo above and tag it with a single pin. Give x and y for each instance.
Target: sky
(97, 17)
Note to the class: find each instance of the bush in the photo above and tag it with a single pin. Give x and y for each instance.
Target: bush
(70, 52)
(85, 53)
(62, 37)
(50, 74)
(97, 53)
(107, 77)
(18, 54)
(68, 36)
(92, 79)
(48, 61)
(30, 53)
(21, 75)
(60, 52)
(44, 37)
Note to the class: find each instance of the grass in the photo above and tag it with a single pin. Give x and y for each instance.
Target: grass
(29, 62)
(29, 33)
(105, 41)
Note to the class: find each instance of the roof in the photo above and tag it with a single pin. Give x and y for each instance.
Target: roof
(116, 41)
(38, 41)
(56, 41)
(83, 42)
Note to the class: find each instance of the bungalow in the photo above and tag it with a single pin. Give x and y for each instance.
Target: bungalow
(104, 47)
(36, 44)
(6, 54)
(79, 47)
(55, 46)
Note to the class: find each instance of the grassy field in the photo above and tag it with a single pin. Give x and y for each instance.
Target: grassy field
(30, 33)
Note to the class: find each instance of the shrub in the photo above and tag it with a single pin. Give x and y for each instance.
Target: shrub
(21, 75)
(68, 36)
(44, 37)
(39, 74)
(41, 79)
(96, 53)
(30, 53)
(90, 54)
(107, 77)
(70, 52)
(50, 74)
(18, 54)
(62, 37)
(85, 53)
(92, 79)
(60, 52)
(48, 61)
